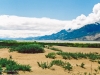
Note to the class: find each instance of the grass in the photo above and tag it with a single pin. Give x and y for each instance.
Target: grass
(44, 65)
(58, 63)
(66, 66)
(11, 67)
(1, 70)
(13, 43)
(51, 55)
(82, 65)
(98, 62)
(55, 49)
(68, 55)
(30, 48)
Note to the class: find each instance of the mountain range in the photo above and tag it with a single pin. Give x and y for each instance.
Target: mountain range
(87, 32)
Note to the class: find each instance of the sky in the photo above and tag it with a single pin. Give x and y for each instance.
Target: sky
(30, 18)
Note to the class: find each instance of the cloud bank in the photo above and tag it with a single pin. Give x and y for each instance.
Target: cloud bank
(14, 26)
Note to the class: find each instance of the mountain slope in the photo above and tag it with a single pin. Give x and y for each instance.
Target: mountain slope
(87, 30)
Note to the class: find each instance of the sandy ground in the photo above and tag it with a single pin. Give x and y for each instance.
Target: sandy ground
(32, 60)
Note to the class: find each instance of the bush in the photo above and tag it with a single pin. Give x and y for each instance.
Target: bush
(24, 67)
(98, 62)
(68, 55)
(55, 49)
(82, 65)
(44, 65)
(98, 67)
(12, 67)
(1, 70)
(68, 66)
(5, 61)
(30, 48)
(58, 63)
(51, 55)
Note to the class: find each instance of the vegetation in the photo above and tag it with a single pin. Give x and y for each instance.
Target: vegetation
(11, 67)
(55, 49)
(1, 70)
(84, 45)
(82, 65)
(66, 66)
(31, 48)
(44, 65)
(13, 43)
(98, 62)
(51, 55)
(58, 63)
(68, 55)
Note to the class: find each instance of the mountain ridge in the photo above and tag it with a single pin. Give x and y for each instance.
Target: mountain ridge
(89, 32)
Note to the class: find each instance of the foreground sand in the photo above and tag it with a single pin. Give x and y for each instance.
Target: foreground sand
(32, 60)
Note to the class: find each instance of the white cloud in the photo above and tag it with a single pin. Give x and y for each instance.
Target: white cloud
(15, 26)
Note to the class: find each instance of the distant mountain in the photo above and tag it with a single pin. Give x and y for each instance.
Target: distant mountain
(60, 35)
(87, 32)
(78, 34)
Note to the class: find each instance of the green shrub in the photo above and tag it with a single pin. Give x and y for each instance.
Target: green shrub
(68, 55)
(98, 67)
(51, 55)
(58, 63)
(5, 61)
(44, 65)
(55, 49)
(1, 70)
(30, 48)
(68, 66)
(98, 62)
(12, 67)
(82, 65)
(24, 67)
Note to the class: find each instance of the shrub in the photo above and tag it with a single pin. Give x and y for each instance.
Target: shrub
(82, 65)
(58, 62)
(51, 55)
(44, 65)
(24, 67)
(12, 67)
(55, 49)
(30, 48)
(1, 70)
(98, 67)
(68, 55)
(98, 62)
(68, 66)
(5, 61)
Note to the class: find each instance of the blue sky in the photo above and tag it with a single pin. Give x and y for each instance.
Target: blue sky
(54, 9)
(30, 18)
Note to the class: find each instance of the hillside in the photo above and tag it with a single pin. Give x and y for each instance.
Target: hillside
(87, 32)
